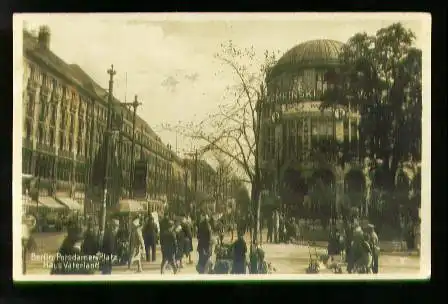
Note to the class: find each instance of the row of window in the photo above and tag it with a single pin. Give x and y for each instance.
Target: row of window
(72, 110)
(295, 138)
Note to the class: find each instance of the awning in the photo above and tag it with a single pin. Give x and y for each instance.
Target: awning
(130, 206)
(70, 203)
(50, 202)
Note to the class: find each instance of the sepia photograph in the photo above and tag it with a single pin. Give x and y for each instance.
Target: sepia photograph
(230, 146)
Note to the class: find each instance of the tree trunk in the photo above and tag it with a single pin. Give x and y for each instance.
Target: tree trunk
(256, 211)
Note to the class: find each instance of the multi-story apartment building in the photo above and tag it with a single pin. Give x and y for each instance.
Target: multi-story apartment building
(64, 122)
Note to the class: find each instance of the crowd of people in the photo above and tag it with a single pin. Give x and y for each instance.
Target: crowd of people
(128, 240)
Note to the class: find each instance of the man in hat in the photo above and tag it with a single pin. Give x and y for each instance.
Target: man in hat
(71, 250)
(150, 235)
(28, 243)
(168, 243)
(204, 242)
(374, 244)
(110, 245)
(137, 245)
(239, 254)
(188, 230)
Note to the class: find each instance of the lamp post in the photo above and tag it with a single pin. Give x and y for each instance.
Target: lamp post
(339, 113)
(108, 132)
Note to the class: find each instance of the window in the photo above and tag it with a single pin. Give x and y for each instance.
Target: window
(78, 147)
(61, 141)
(43, 110)
(30, 105)
(32, 72)
(63, 118)
(44, 80)
(40, 134)
(53, 115)
(51, 135)
(72, 123)
(28, 128)
(80, 127)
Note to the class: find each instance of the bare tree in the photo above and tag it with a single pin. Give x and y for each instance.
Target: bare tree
(233, 131)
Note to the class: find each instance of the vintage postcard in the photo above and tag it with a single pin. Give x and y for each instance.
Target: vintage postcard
(222, 146)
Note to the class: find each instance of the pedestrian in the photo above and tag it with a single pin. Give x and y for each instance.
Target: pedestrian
(374, 245)
(109, 246)
(180, 240)
(150, 237)
(276, 225)
(72, 250)
(168, 245)
(188, 247)
(91, 239)
(239, 249)
(136, 245)
(270, 224)
(204, 243)
(122, 241)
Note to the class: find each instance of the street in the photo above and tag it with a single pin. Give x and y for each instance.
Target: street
(285, 258)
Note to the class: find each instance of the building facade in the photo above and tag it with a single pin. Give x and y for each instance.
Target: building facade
(304, 146)
(307, 149)
(64, 123)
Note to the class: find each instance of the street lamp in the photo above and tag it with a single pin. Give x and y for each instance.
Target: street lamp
(108, 132)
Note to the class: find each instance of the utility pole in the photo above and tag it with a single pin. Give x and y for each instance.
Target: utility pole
(108, 134)
(134, 106)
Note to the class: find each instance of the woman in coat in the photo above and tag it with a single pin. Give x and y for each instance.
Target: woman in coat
(137, 245)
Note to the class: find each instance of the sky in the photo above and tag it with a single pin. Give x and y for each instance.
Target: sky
(168, 59)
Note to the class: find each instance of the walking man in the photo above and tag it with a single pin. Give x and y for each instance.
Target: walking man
(204, 243)
(150, 237)
(239, 255)
(169, 245)
(276, 225)
(109, 246)
(270, 224)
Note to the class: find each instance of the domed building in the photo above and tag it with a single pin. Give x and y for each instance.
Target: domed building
(307, 149)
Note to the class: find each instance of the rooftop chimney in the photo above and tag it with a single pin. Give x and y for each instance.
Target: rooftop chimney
(44, 37)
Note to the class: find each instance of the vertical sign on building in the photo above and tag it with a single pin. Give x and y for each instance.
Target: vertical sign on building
(140, 185)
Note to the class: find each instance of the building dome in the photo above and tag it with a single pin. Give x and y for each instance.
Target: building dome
(310, 54)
